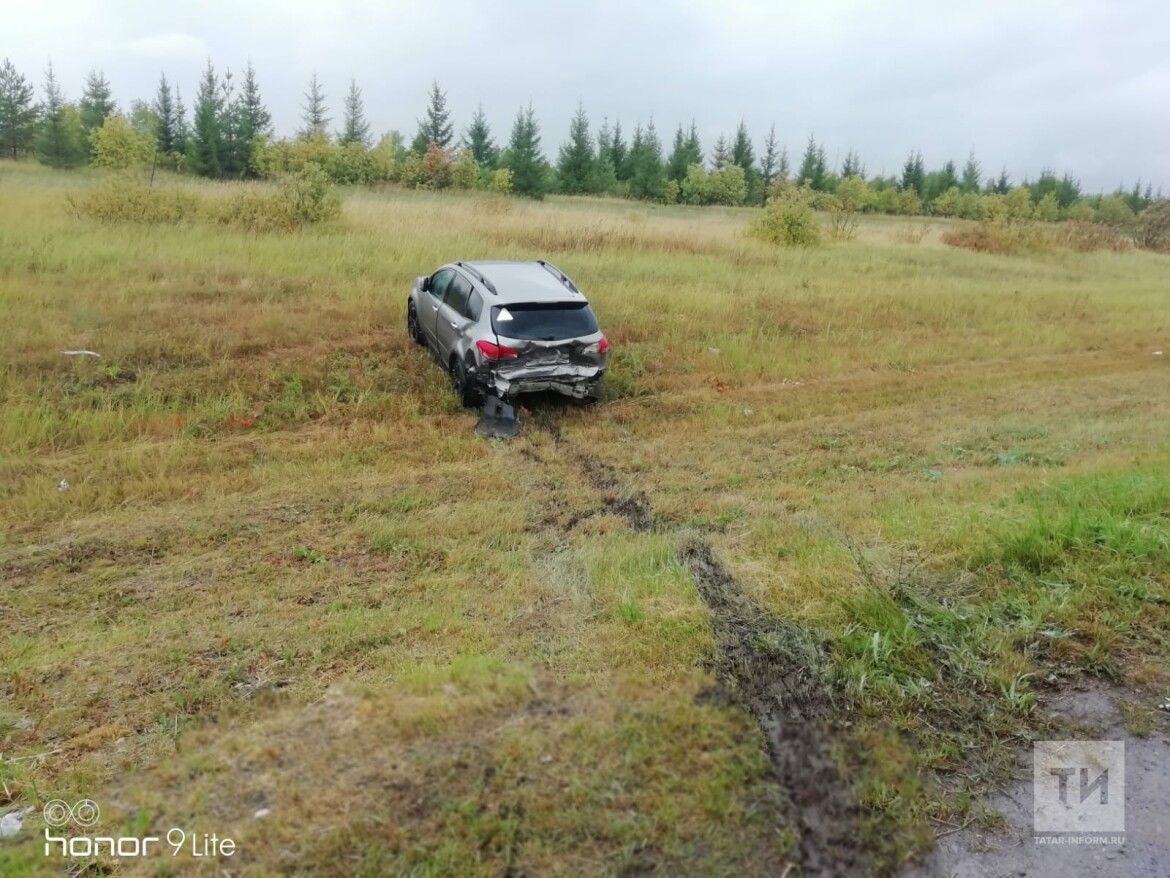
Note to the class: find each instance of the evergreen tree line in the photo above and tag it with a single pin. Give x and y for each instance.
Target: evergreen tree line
(228, 134)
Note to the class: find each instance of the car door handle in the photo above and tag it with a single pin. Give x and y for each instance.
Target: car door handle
(434, 307)
(454, 325)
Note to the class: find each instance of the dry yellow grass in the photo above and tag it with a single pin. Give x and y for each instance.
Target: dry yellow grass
(287, 578)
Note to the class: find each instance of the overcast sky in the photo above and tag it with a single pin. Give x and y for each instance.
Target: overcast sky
(1075, 85)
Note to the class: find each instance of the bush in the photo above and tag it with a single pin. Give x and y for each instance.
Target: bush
(1001, 237)
(788, 220)
(1085, 237)
(502, 181)
(122, 200)
(118, 147)
(1153, 228)
(1113, 211)
(303, 198)
(465, 173)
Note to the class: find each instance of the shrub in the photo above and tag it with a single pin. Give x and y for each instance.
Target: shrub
(1153, 229)
(350, 164)
(671, 192)
(1004, 238)
(304, 197)
(122, 200)
(309, 197)
(118, 147)
(948, 203)
(1085, 237)
(465, 173)
(1048, 208)
(1113, 211)
(502, 181)
(788, 220)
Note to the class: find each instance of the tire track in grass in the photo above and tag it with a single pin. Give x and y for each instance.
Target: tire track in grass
(771, 669)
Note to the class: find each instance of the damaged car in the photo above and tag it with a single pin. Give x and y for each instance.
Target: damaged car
(506, 328)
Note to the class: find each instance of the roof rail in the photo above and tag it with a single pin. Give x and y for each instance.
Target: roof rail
(560, 275)
(479, 276)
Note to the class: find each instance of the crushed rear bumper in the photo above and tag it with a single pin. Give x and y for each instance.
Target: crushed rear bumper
(578, 382)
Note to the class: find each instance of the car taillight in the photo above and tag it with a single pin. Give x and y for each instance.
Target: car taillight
(603, 345)
(496, 351)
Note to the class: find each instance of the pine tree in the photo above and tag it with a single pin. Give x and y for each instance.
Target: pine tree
(59, 142)
(355, 128)
(675, 169)
(435, 128)
(685, 152)
(618, 152)
(971, 174)
(577, 164)
(914, 173)
(18, 113)
(97, 101)
(252, 120)
(645, 160)
(694, 148)
(742, 153)
(606, 175)
(205, 139)
(812, 165)
(523, 157)
(852, 166)
(232, 164)
(770, 163)
(164, 106)
(1001, 185)
(314, 118)
(721, 154)
(478, 139)
(182, 129)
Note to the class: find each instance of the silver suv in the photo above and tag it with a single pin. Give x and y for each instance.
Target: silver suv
(505, 328)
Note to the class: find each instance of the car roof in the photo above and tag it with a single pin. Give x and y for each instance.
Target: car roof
(523, 281)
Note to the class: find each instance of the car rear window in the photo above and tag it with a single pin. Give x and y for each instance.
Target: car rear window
(544, 321)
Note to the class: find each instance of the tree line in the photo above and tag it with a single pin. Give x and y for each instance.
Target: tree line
(228, 134)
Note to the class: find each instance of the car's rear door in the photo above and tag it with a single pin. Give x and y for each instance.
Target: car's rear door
(432, 300)
(549, 337)
(452, 318)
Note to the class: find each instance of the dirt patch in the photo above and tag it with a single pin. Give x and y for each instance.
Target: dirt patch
(772, 670)
(633, 507)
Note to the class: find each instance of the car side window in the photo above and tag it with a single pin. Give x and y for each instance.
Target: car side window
(474, 305)
(457, 293)
(440, 282)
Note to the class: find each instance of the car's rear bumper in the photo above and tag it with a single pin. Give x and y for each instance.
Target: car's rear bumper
(578, 382)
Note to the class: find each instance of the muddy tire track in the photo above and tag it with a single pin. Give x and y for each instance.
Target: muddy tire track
(772, 670)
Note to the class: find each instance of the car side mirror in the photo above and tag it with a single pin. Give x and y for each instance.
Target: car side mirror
(425, 284)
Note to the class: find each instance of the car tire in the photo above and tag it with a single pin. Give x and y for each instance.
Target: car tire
(412, 327)
(470, 394)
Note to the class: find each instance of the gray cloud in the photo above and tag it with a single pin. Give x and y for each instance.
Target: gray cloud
(1076, 85)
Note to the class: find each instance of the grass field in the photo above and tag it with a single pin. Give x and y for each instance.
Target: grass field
(919, 486)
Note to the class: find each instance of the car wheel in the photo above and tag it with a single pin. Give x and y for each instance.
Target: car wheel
(412, 327)
(469, 392)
